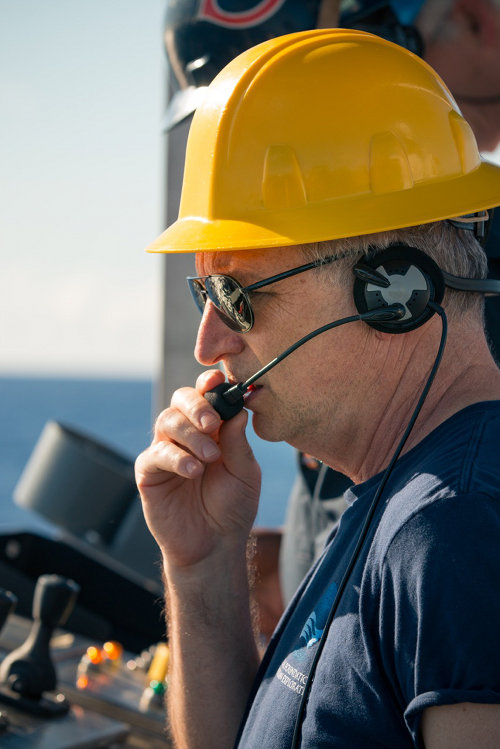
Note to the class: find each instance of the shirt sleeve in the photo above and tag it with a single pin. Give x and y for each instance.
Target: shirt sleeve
(439, 616)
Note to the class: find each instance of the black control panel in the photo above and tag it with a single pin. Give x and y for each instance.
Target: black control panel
(60, 689)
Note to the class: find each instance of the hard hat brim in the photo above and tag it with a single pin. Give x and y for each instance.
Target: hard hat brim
(475, 191)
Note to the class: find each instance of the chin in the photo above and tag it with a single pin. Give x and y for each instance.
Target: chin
(266, 429)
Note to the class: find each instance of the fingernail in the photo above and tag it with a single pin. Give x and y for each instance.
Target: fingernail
(210, 450)
(209, 421)
(191, 467)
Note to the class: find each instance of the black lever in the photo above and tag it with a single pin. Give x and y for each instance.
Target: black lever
(28, 672)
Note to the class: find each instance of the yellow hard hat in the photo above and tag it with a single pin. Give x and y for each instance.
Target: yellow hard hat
(324, 134)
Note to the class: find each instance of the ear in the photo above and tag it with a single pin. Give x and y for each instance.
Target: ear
(479, 19)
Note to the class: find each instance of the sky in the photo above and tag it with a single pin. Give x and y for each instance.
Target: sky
(82, 95)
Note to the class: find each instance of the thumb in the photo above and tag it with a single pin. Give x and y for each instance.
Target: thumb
(237, 454)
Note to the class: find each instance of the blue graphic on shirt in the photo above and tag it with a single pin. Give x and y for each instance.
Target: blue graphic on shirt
(315, 624)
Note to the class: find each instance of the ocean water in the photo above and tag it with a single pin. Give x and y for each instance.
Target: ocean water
(116, 413)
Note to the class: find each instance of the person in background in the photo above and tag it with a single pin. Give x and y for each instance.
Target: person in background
(341, 229)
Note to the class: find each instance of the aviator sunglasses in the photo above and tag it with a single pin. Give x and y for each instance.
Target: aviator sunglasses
(231, 300)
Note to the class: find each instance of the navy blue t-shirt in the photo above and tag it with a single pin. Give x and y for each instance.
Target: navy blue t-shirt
(419, 622)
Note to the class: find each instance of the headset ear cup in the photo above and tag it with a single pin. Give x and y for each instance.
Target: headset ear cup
(399, 274)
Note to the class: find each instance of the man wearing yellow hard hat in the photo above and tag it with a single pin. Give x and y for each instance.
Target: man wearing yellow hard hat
(331, 194)
(460, 39)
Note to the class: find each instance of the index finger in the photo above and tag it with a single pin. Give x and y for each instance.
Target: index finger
(191, 403)
(209, 379)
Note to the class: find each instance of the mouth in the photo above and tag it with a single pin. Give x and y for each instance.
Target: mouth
(250, 393)
(251, 390)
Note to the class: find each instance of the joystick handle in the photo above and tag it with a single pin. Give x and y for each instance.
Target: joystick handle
(29, 670)
(54, 600)
(8, 603)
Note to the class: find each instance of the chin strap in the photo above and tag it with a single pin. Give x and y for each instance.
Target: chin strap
(478, 223)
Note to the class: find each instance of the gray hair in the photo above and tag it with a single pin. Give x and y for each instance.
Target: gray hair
(456, 251)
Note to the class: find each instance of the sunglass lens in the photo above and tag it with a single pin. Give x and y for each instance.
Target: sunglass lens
(198, 293)
(230, 301)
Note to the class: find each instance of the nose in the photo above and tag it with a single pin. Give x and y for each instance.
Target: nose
(215, 340)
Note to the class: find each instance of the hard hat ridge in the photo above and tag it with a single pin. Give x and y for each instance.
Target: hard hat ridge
(324, 134)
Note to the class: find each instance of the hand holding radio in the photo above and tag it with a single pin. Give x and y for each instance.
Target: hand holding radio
(199, 480)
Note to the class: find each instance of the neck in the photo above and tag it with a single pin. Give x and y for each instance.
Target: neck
(467, 375)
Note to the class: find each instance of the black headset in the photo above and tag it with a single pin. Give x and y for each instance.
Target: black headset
(396, 290)
(404, 275)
